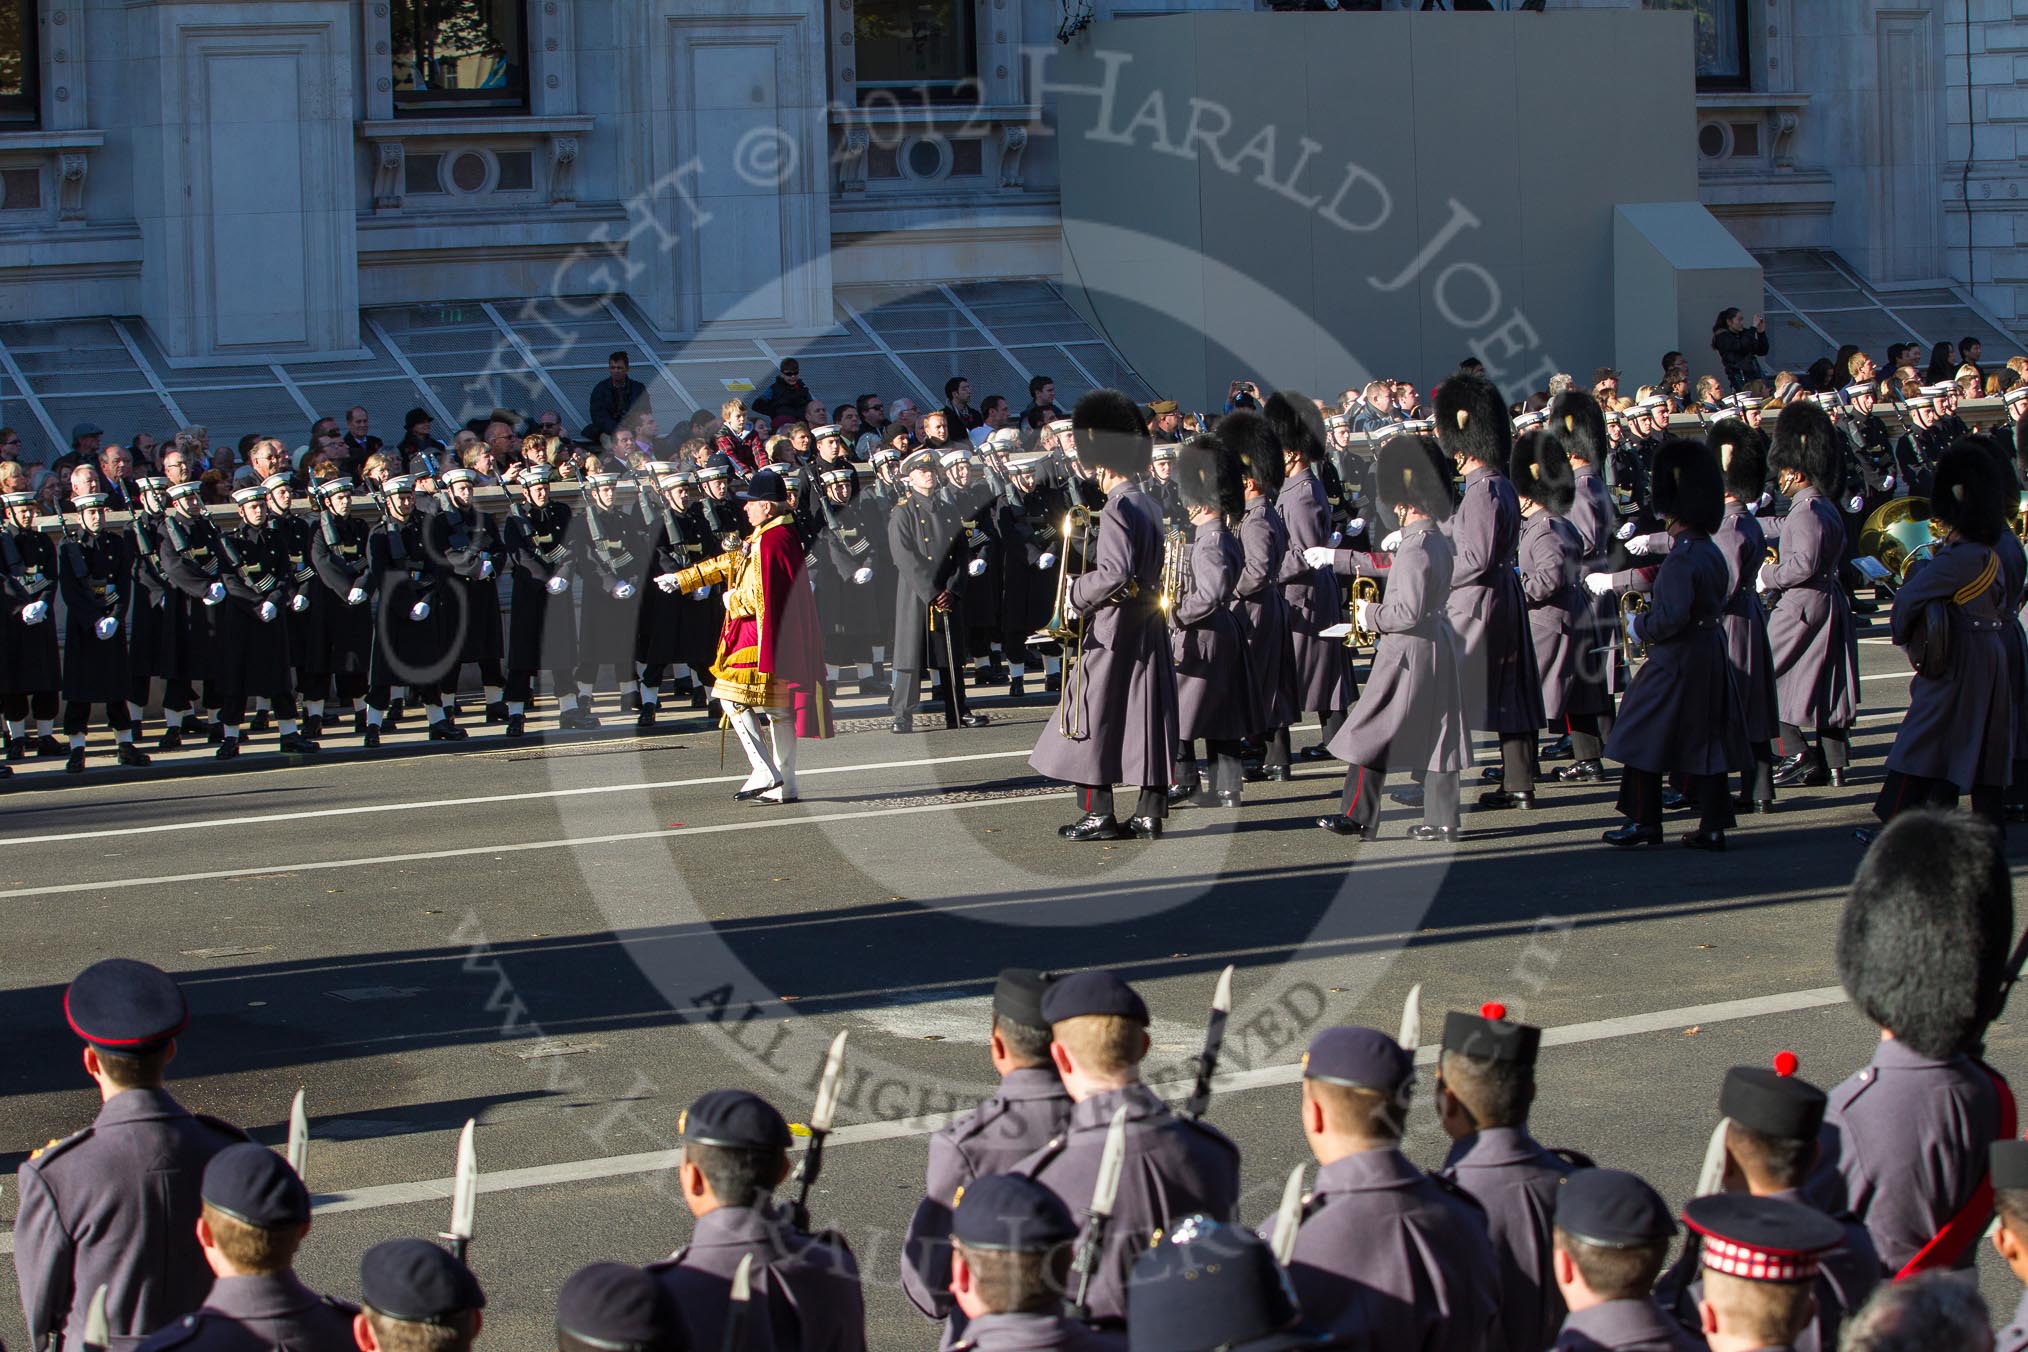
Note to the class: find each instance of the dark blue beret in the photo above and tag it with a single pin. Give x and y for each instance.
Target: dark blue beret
(255, 1186)
(2008, 1161)
(1082, 993)
(125, 1006)
(417, 1282)
(617, 1307)
(1017, 995)
(1612, 1209)
(1208, 1285)
(1490, 1035)
(1008, 1211)
(736, 1119)
(1362, 1058)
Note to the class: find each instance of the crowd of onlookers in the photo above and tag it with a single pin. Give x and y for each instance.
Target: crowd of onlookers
(776, 424)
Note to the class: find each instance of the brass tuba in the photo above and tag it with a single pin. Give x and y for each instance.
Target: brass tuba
(1897, 535)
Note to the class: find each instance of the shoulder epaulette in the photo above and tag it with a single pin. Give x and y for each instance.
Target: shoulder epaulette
(1045, 1156)
(57, 1146)
(1457, 1192)
(177, 1333)
(1576, 1159)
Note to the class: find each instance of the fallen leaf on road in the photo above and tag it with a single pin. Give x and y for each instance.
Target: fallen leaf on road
(1693, 1030)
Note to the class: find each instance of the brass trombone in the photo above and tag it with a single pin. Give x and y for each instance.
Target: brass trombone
(1064, 630)
(1175, 553)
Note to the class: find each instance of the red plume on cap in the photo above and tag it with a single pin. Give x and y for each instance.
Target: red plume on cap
(1492, 1009)
(1785, 1063)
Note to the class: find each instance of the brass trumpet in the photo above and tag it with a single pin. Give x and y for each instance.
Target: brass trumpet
(1633, 603)
(1363, 589)
(1065, 628)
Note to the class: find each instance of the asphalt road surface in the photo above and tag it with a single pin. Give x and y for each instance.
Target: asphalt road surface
(569, 941)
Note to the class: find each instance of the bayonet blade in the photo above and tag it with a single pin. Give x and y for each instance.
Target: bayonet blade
(1289, 1217)
(742, 1279)
(464, 1186)
(1112, 1161)
(1711, 1178)
(299, 1137)
(1411, 1020)
(97, 1336)
(826, 1106)
(1214, 1042)
(741, 1303)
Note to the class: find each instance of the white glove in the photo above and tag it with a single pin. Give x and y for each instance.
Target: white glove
(1639, 545)
(725, 599)
(35, 612)
(1854, 503)
(1887, 483)
(556, 586)
(977, 567)
(1355, 525)
(1362, 610)
(1337, 538)
(299, 603)
(1634, 630)
(356, 597)
(1046, 561)
(1598, 584)
(667, 582)
(1391, 543)
(1765, 499)
(623, 590)
(862, 577)
(106, 627)
(214, 593)
(1317, 556)
(419, 611)
(268, 611)
(1626, 531)
(485, 570)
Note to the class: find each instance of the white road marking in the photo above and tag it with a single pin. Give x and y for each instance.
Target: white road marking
(437, 1190)
(313, 814)
(515, 847)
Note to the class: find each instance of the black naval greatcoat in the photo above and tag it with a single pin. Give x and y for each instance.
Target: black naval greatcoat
(338, 556)
(541, 627)
(193, 560)
(28, 652)
(928, 545)
(406, 651)
(158, 615)
(93, 569)
(257, 661)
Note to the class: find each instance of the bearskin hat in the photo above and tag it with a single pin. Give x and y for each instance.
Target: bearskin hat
(1256, 446)
(1208, 475)
(1686, 485)
(1472, 421)
(1807, 444)
(1740, 458)
(1967, 493)
(1296, 421)
(1577, 419)
(1541, 472)
(1108, 432)
(1413, 473)
(1923, 941)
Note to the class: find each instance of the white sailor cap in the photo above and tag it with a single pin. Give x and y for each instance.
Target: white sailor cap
(1524, 421)
(1651, 403)
(827, 430)
(1062, 426)
(956, 455)
(251, 493)
(150, 483)
(1166, 451)
(883, 455)
(1918, 402)
(84, 500)
(714, 472)
(274, 481)
(1336, 420)
(657, 468)
(17, 500)
(459, 475)
(398, 483)
(601, 480)
(2016, 393)
(1859, 390)
(844, 474)
(1005, 437)
(539, 474)
(338, 483)
(679, 478)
